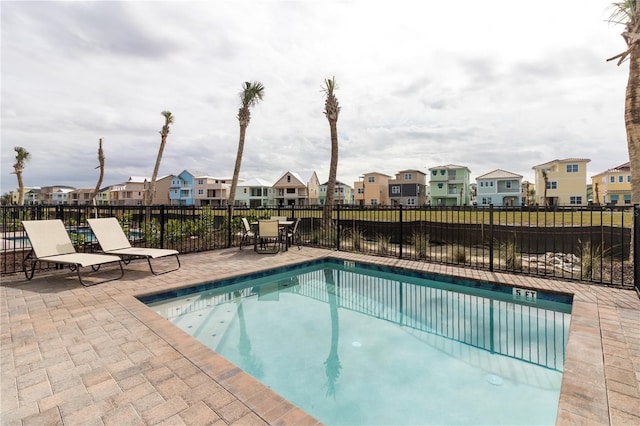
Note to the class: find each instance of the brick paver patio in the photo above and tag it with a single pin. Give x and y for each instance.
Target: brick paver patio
(77, 355)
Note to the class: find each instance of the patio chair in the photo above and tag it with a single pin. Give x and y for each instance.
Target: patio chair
(269, 231)
(247, 234)
(50, 242)
(113, 240)
(293, 235)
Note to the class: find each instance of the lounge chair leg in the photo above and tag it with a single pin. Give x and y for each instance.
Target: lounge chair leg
(164, 272)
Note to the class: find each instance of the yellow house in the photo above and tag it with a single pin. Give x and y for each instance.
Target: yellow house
(561, 182)
(613, 186)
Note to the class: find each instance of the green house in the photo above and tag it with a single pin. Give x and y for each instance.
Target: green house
(450, 185)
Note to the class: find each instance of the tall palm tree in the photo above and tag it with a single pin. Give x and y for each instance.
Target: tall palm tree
(627, 13)
(331, 111)
(94, 194)
(151, 191)
(22, 157)
(252, 93)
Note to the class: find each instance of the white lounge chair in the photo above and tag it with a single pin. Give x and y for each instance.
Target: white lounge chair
(50, 242)
(113, 240)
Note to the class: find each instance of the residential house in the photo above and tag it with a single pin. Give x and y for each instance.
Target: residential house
(613, 186)
(372, 190)
(181, 191)
(528, 193)
(211, 191)
(342, 194)
(46, 195)
(131, 192)
(562, 182)
(163, 189)
(409, 188)
(500, 188)
(61, 196)
(81, 197)
(31, 196)
(104, 196)
(255, 192)
(450, 185)
(297, 188)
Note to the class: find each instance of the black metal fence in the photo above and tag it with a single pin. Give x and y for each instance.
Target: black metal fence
(592, 244)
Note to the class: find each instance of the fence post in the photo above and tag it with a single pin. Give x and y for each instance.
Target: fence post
(338, 228)
(491, 237)
(401, 237)
(162, 227)
(229, 225)
(636, 248)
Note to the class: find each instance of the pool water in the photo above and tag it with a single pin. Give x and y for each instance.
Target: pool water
(356, 344)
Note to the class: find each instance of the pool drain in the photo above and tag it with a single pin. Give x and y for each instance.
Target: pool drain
(493, 379)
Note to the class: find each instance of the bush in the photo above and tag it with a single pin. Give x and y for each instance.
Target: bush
(590, 260)
(510, 253)
(420, 242)
(384, 241)
(458, 254)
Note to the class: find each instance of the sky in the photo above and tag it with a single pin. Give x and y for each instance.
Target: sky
(492, 84)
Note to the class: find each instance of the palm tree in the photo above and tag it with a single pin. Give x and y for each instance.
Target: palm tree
(331, 111)
(101, 167)
(151, 191)
(22, 157)
(627, 13)
(252, 93)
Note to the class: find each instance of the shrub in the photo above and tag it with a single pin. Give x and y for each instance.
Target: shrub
(458, 254)
(509, 252)
(357, 239)
(420, 242)
(590, 259)
(384, 241)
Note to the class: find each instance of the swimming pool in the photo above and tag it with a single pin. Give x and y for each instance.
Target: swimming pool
(358, 344)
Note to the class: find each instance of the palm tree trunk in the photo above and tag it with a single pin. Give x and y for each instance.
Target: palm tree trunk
(236, 170)
(333, 169)
(632, 121)
(152, 185)
(20, 188)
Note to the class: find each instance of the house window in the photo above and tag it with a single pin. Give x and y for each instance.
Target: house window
(360, 190)
(288, 178)
(395, 189)
(291, 190)
(628, 178)
(435, 172)
(200, 181)
(627, 199)
(442, 172)
(620, 179)
(200, 191)
(374, 202)
(411, 201)
(572, 168)
(371, 179)
(552, 184)
(491, 183)
(507, 184)
(575, 200)
(439, 186)
(481, 184)
(408, 176)
(612, 179)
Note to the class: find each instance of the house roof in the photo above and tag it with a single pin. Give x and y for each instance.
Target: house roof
(499, 174)
(565, 160)
(338, 183)
(450, 166)
(255, 182)
(621, 168)
(138, 179)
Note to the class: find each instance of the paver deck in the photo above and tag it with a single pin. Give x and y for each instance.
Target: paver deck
(77, 355)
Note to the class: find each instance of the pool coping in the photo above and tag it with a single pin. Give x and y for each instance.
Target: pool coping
(601, 380)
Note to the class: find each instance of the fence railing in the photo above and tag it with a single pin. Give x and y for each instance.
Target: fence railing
(592, 244)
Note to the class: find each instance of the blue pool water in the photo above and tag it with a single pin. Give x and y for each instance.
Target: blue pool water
(358, 344)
